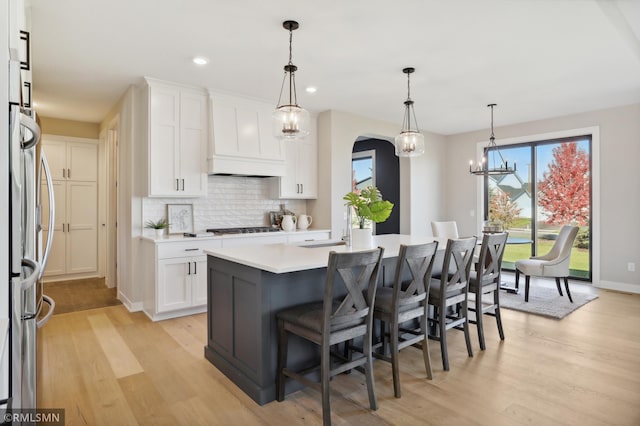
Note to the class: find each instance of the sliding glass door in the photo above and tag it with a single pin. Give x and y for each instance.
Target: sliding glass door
(551, 188)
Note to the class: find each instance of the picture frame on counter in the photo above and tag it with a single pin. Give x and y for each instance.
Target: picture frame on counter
(180, 217)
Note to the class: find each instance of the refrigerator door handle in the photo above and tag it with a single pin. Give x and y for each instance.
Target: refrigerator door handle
(31, 125)
(30, 280)
(52, 214)
(52, 307)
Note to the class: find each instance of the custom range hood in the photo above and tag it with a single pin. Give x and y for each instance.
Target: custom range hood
(242, 142)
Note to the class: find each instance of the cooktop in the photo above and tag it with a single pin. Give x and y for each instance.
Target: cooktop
(243, 230)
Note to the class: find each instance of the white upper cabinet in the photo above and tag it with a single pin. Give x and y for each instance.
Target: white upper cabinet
(242, 142)
(301, 177)
(72, 160)
(177, 136)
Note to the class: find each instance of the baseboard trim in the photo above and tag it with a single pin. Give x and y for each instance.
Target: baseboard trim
(624, 287)
(131, 306)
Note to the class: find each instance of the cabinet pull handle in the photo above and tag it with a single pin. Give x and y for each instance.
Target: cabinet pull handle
(177, 185)
(195, 268)
(64, 173)
(189, 273)
(191, 249)
(182, 184)
(302, 188)
(69, 173)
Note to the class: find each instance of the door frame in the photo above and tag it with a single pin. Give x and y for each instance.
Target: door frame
(594, 131)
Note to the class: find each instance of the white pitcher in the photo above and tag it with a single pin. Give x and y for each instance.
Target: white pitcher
(288, 223)
(304, 221)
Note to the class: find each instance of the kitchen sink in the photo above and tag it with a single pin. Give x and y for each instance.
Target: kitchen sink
(314, 244)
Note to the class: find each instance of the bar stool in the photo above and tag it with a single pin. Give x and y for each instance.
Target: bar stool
(452, 289)
(406, 301)
(336, 319)
(485, 282)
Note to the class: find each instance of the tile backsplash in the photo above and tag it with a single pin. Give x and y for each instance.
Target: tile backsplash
(232, 201)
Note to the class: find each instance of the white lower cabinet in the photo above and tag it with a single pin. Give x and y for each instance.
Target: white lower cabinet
(175, 272)
(177, 284)
(182, 283)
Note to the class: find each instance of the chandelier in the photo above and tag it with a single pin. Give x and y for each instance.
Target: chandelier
(410, 142)
(289, 119)
(492, 163)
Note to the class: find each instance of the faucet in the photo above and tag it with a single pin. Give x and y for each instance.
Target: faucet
(347, 237)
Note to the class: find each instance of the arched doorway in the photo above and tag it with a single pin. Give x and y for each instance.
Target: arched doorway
(386, 176)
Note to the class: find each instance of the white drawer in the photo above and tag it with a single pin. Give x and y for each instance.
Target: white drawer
(186, 248)
(254, 240)
(307, 236)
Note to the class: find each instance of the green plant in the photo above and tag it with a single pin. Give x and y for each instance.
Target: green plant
(159, 224)
(368, 205)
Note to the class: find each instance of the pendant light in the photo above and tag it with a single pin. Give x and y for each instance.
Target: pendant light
(410, 142)
(289, 120)
(492, 163)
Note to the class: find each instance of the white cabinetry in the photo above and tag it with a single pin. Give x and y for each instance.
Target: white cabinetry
(299, 236)
(242, 142)
(301, 177)
(177, 284)
(177, 135)
(73, 165)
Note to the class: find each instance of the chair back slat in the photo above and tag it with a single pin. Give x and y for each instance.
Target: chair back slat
(457, 260)
(418, 261)
(358, 272)
(490, 259)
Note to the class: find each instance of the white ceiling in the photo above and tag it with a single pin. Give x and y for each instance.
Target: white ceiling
(534, 58)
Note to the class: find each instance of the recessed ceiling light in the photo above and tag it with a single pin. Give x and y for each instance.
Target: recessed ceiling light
(199, 60)
(311, 89)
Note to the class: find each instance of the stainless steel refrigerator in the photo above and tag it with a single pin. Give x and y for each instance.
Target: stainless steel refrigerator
(27, 168)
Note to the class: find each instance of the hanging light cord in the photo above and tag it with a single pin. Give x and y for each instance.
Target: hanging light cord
(290, 69)
(409, 109)
(492, 143)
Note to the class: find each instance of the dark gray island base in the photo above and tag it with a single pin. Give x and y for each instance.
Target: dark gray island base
(248, 286)
(242, 340)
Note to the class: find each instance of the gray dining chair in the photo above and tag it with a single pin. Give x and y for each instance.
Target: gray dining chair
(484, 283)
(554, 264)
(452, 290)
(403, 303)
(344, 314)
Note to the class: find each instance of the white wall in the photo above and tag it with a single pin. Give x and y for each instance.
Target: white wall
(420, 177)
(619, 195)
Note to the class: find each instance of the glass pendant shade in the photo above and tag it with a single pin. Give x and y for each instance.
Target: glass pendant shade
(290, 121)
(410, 142)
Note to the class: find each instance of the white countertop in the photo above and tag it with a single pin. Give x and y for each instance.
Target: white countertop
(282, 258)
(180, 237)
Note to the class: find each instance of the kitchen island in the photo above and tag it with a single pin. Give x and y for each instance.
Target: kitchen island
(248, 286)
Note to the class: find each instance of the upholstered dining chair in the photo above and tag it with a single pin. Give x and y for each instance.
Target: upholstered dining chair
(406, 300)
(452, 289)
(345, 313)
(554, 264)
(448, 229)
(484, 283)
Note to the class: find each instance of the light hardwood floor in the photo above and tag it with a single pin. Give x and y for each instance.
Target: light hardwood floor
(111, 367)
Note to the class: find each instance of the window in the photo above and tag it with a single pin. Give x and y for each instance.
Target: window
(551, 188)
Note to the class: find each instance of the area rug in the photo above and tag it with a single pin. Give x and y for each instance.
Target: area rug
(80, 295)
(545, 302)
